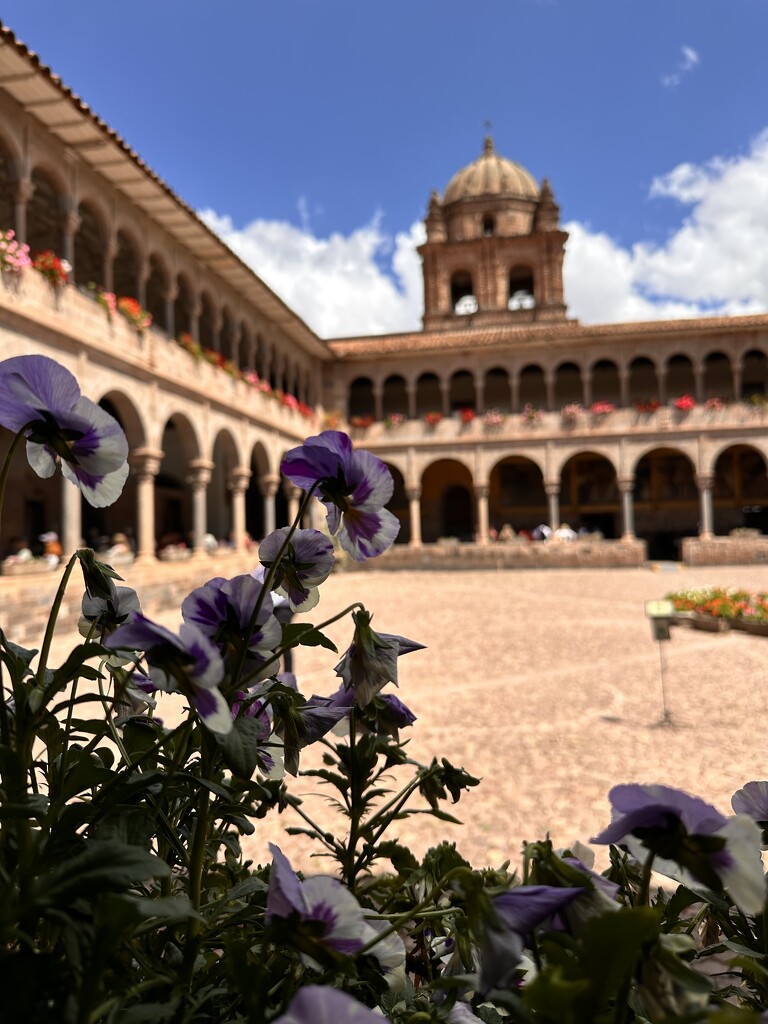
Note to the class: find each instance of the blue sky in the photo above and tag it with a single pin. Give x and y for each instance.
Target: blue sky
(310, 133)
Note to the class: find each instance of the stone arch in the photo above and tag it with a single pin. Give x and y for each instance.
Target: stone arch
(125, 269)
(589, 494)
(568, 385)
(666, 500)
(254, 499)
(227, 335)
(183, 305)
(398, 504)
(717, 376)
(643, 381)
(605, 382)
(173, 497)
(740, 489)
(394, 396)
(157, 291)
(429, 395)
(360, 401)
(461, 391)
(225, 458)
(533, 387)
(9, 178)
(90, 245)
(754, 373)
(521, 289)
(99, 525)
(463, 296)
(45, 212)
(517, 496)
(447, 501)
(680, 376)
(207, 322)
(497, 391)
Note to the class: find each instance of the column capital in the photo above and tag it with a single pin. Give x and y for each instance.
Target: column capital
(268, 485)
(238, 479)
(625, 484)
(24, 190)
(482, 490)
(552, 488)
(705, 481)
(413, 493)
(145, 462)
(291, 491)
(199, 475)
(72, 222)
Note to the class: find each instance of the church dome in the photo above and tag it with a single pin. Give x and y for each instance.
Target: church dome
(491, 175)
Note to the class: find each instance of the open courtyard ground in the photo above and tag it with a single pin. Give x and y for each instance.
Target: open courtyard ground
(547, 685)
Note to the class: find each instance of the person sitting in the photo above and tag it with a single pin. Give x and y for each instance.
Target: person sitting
(52, 549)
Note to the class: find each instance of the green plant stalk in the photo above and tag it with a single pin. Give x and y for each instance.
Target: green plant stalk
(643, 896)
(7, 464)
(196, 870)
(51, 624)
(349, 867)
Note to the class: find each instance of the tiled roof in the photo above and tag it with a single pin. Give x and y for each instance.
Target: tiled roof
(569, 333)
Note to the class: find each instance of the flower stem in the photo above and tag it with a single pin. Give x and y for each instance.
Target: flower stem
(643, 896)
(7, 464)
(51, 624)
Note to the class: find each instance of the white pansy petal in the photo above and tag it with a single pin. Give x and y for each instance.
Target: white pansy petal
(41, 460)
(744, 879)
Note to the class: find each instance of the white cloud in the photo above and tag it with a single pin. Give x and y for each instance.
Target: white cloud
(688, 62)
(367, 282)
(336, 284)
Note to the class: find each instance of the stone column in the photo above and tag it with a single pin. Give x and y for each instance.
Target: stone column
(414, 506)
(587, 388)
(481, 493)
(141, 282)
(145, 465)
(698, 382)
(515, 392)
(195, 309)
(24, 190)
(410, 388)
(198, 478)
(170, 310)
(624, 387)
(479, 394)
(550, 383)
(378, 394)
(71, 227)
(268, 485)
(293, 494)
(238, 485)
(553, 501)
(71, 518)
(445, 392)
(626, 487)
(108, 271)
(662, 378)
(738, 370)
(706, 526)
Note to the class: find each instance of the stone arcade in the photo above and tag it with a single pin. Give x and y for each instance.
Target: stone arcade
(501, 410)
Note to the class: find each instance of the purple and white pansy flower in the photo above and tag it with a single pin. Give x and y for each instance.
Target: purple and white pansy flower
(336, 918)
(222, 610)
(306, 563)
(42, 399)
(752, 799)
(353, 485)
(690, 839)
(371, 659)
(188, 663)
(321, 1004)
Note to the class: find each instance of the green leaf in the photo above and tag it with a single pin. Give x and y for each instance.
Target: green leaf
(97, 576)
(304, 634)
(240, 747)
(613, 945)
(101, 865)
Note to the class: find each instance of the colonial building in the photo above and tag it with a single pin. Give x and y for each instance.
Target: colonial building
(501, 410)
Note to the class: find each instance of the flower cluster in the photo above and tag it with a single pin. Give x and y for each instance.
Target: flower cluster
(361, 422)
(56, 271)
(572, 411)
(433, 417)
(137, 317)
(14, 255)
(466, 415)
(602, 408)
(530, 413)
(394, 420)
(646, 405)
(493, 418)
(714, 404)
(684, 403)
(722, 603)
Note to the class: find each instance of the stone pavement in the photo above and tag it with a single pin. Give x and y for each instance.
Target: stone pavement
(547, 684)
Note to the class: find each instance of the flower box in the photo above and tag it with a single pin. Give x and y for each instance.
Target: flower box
(755, 627)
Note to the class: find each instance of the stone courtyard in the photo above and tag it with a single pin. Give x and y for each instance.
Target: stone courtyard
(547, 685)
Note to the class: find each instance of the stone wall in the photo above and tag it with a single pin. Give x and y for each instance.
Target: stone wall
(738, 550)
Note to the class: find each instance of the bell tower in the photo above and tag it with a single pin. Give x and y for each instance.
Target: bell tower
(494, 249)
